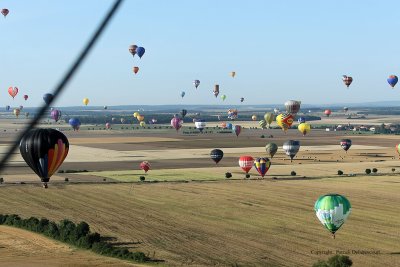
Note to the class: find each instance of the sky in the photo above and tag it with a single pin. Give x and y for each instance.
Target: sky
(280, 50)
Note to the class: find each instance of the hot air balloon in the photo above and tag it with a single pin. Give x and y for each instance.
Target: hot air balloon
(21, 107)
(216, 90)
(153, 120)
(223, 125)
(347, 80)
(135, 69)
(216, 155)
(262, 165)
(75, 123)
(292, 106)
(183, 113)
(304, 128)
(8, 107)
(140, 118)
(85, 101)
(237, 129)
(276, 110)
(200, 124)
(108, 125)
(142, 123)
(332, 211)
(271, 149)
(113, 119)
(136, 114)
(196, 83)
(26, 97)
(183, 94)
(145, 165)
(13, 91)
(269, 118)
(123, 120)
(345, 144)
(219, 117)
(263, 124)
(44, 150)
(241, 99)
(229, 126)
(328, 112)
(301, 120)
(291, 148)
(223, 97)
(105, 107)
(345, 109)
(5, 12)
(55, 114)
(392, 80)
(176, 123)
(233, 73)
(254, 117)
(16, 112)
(398, 148)
(284, 121)
(246, 163)
(140, 51)
(232, 114)
(132, 49)
(48, 98)
(26, 114)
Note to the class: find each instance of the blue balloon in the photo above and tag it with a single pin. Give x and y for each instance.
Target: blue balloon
(301, 120)
(47, 98)
(7, 108)
(140, 51)
(229, 126)
(392, 80)
(75, 123)
(183, 94)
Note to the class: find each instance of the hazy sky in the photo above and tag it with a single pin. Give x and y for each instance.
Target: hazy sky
(279, 49)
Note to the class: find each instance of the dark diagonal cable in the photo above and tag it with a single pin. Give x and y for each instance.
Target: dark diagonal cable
(60, 87)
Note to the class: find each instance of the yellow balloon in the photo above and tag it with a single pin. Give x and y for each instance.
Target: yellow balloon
(304, 128)
(86, 101)
(233, 73)
(284, 121)
(142, 123)
(136, 114)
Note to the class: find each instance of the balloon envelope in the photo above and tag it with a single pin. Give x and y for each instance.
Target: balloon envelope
(392, 80)
(196, 83)
(183, 94)
(85, 101)
(285, 121)
(304, 128)
(26, 97)
(291, 148)
(13, 91)
(262, 165)
(332, 211)
(246, 163)
(5, 12)
(347, 80)
(271, 149)
(292, 106)
(328, 112)
(216, 155)
(200, 125)
(140, 51)
(237, 129)
(47, 98)
(183, 113)
(75, 123)
(145, 165)
(55, 114)
(176, 123)
(44, 150)
(345, 144)
(135, 69)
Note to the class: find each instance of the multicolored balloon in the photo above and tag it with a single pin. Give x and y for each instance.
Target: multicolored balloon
(145, 165)
(26, 97)
(262, 165)
(246, 163)
(332, 211)
(292, 106)
(135, 70)
(263, 124)
(44, 150)
(176, 123)
(237, 129)
(347, 80)
(271, 149)
(233, 73)
(216, 155)
(75, 123)
(232, 114)
(301, 120)
(291, 148)
(132, 49)
(345, 144)
(12, 91)
(285, 121)
(392, 80)
(304, 128)
(17, 111)
(5, 12)
(196, 83)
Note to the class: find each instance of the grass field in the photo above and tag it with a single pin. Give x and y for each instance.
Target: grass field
(249, 223)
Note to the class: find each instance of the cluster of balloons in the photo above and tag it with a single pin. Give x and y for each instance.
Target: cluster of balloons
(392, 80)
(136, 50)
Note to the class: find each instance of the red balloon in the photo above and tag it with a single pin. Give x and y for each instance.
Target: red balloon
(26, 97)
(13, 91)
(246, 163)
(145, 165)
(328, 112)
